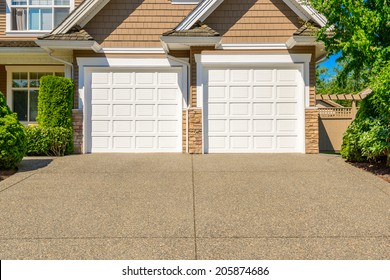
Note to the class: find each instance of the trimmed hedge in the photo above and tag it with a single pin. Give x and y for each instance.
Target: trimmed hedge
(55, 102)
(12, 137)
(47, 141)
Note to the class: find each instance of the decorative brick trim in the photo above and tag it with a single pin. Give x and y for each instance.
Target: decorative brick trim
(77, 118)
(195, 131)
(312, 133)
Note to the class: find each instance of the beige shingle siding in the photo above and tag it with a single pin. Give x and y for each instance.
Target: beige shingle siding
(77, 3)
(123, 23)
(261, 21)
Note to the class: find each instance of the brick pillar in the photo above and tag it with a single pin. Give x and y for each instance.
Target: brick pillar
(312, 133)
(77, 117)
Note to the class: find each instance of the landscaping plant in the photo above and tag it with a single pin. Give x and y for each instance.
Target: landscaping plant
(55, 103)
(12, 137)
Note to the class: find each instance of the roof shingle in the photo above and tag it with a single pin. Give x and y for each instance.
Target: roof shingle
(75, 34)
(198, 30)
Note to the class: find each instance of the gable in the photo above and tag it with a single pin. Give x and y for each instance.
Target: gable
(254, 21)
(139, 23)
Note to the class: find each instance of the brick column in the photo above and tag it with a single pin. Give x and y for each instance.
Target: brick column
(77, 118)
(312, 133)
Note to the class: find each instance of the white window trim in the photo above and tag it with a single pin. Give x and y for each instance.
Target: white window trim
(11, 69)
(25, 33)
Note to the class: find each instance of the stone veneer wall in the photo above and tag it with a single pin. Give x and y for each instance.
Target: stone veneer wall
(77, 117)
(312, 133)
(195, 131)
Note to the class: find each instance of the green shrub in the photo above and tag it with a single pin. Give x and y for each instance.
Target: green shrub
(368, 137)
(55, 103)
(12, 137)
(47, 141)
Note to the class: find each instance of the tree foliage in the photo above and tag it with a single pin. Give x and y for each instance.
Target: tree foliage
(360, 29)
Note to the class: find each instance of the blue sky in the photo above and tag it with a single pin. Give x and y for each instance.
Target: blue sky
(330, 63)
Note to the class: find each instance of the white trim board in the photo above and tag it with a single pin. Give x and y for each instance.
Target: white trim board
(207, 7)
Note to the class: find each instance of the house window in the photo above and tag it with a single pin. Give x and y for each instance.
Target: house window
(25, 89)
(38, 15)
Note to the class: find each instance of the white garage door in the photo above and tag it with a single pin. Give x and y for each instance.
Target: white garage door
(255, 110)
(135, 111)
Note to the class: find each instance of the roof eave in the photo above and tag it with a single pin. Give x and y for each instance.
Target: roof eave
(184, 43)
(69, 45)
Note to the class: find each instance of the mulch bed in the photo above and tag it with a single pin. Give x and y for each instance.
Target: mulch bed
(4, 174)
(378, 168)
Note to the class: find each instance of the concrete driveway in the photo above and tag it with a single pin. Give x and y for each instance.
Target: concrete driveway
(174, 206)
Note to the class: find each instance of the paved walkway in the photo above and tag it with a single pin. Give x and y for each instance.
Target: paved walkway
(175, 206)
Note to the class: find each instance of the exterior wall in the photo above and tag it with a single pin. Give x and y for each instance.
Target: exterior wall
(77, 117)
(312, 134)
(140, 23)
(3, 80)
(254, 21)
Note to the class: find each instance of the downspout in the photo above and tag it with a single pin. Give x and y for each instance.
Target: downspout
(50, 53)
(188, 95)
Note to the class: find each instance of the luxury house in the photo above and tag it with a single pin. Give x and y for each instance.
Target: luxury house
(211, 76)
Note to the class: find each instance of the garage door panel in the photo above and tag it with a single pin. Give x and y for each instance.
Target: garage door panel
(287, 126)
(101, 79)
(218, 76)
(167, 94)
(240, 143)
(263, 143)
(263, 109)
(145, 126)
(218, 143)
(167, 126)
(240, 126)
(121, 79)
(101, 94)
(100, 110)
(122, 142)
(167, 78)
(261, 126)
(287, 93)
(286, 109)
(135, 112)
(286, 143)
(122, 94)
(167, 142)
(167, 110)
(263, 76)
(263, 93)
(287, 76)
(240, 93)
(122, 126)
(239, 109)
(101, 126)
(240, 76)
(145, 94)
(217, 93)
(255, 110)
(145, 79)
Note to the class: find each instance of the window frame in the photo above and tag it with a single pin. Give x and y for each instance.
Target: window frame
(32, 33)
(29, 69)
